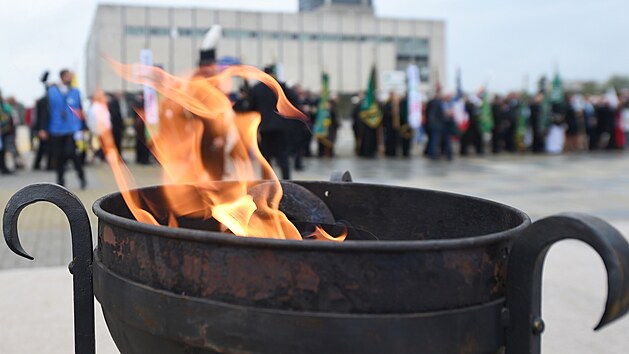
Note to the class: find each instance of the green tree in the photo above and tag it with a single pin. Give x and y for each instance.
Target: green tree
(618, 82)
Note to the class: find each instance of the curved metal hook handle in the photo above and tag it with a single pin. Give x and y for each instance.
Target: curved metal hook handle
(524, 273)
(81, 265)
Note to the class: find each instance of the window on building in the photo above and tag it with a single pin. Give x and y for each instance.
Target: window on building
(135, 30)
(159, 31)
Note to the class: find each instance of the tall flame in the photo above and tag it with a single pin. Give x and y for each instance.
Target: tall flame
(188, 108)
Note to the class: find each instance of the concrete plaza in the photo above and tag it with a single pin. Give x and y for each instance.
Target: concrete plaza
(36, 298)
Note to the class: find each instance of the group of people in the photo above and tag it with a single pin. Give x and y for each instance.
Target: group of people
(63, 132)
(56, 121)
(60, 128)
(509, 123)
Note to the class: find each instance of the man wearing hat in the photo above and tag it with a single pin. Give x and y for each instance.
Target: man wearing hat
(278, 135)
(215, 129)
(64, 120)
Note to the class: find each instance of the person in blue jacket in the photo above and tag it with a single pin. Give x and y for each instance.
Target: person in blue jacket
(65, 122)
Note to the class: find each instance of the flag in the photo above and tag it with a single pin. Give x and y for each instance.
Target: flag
(75, 80)
(414, 97)
(612, 98)
(556, 95)
(460, 116)
(370, 112)
(544, 112)
(557, 104)
(486, 118)
(323, 119)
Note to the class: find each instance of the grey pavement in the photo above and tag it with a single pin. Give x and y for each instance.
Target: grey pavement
(35, 296)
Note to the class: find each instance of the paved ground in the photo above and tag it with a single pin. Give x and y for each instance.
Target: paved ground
(35, 296)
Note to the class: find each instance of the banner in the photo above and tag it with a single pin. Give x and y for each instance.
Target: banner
(323, 119)
(151, 114)
(370, 112)
(414, 97)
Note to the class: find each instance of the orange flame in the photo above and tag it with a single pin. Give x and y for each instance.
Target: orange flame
(189, 108)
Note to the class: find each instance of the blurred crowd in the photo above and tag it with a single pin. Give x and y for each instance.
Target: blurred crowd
(450, 124)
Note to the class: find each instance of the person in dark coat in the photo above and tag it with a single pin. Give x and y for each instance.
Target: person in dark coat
(142, 152)
(369, 134)
(275, 132)
(536, 123)
(356, 123)
(405, 132)
(438, 119)
(43, 149)
(6, 127)
(604, 124)
(472, 136)
(117, 122)
(391, 124)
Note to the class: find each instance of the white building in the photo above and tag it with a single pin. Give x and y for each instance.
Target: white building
(342, 37)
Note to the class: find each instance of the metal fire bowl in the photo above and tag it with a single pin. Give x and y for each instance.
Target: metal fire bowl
(421, 271)
(435, 252)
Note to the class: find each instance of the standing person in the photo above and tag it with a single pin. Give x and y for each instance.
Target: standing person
(391, 124)
(215, 129)
(99, 119)
(356, 123)
(65, 121)
(274, 132)
(536, 123)
(625, 121)
(6, 124)
(117, 122)
(405, 132)
(17, 111)
(326, 120)
(41, 116)
(370, 118)
(177, 121)
(437, 121)
(473, 135)
(142, 152)
(605, 123)
(572, 124)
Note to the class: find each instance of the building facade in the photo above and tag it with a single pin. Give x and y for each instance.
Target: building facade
(342, 37)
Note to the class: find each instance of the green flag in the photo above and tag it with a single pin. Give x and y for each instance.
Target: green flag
(486, 118)
(370, 110)
(323, 119)
(523, 115)
(544, 111)
(556, 95)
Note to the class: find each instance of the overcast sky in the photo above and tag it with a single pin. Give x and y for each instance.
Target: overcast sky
(490, 40)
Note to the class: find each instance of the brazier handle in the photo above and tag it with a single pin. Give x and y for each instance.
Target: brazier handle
(524, 274)
(81, 264)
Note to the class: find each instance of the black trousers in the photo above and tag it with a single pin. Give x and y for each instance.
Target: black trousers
(273, 146)
(43, 151)
(64, 149)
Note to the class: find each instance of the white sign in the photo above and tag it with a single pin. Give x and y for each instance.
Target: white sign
(150, 96)
(393, 81)
(414, 97)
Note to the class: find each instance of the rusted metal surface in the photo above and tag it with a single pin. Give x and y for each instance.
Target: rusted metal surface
(195, 325)
(81, 263)
(420, 271)
(396, 276)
